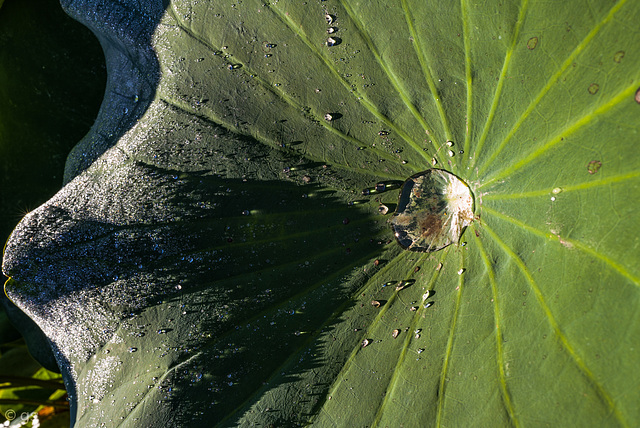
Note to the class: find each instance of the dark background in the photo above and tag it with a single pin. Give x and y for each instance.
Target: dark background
(52, 80)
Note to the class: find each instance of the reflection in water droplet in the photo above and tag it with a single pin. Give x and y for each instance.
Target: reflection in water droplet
(617, 57)
(532, 43)
(331, 30)
(434, 208)
(329, 18)
(333, 41)
(133, 349)
(451, 153)
(593, 88)
(383, 209)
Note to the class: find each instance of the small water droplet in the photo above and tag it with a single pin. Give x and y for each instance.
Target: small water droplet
(365, 342)
(234, 66)
(593, 88)
(246, 212)
(383, 209)
(420, 350)
(381, 187)
(556, 190)
(594, 166)
(329, 18)
(395, 333)
(328, 117)
(434, 161)
(331, 30)
(617, 57)
(461, 271)
(450, 143)
(376, 303)
(270, 45)
(162, 331)
(133, 349)
(451, 153)
(532, 43)
(333, 41)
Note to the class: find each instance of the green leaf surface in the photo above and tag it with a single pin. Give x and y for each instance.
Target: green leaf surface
(218, 256)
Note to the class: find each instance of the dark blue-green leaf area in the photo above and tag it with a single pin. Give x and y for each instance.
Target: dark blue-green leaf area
(221, 255)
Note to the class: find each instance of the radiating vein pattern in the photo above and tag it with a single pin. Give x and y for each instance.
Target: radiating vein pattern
(231, 260)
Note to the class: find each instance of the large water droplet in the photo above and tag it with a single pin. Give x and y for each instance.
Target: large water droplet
(433, 210)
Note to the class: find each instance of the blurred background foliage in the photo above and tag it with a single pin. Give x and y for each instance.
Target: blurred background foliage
(52, 79)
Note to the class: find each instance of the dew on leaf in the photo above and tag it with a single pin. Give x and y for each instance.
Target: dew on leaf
(434, 208)
(593, 88)
(594, 166)
(331, 30)
(383, 209)
(381, 187)
(395, 333)
(532, 43)
(333, 41)
(376, 303)
(329, 18)
(617, 57)
(365, 342)
(556, 190)
(450, 143)
(450, 153)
